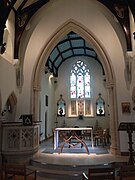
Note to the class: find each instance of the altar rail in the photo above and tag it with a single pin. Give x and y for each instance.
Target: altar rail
(18, 139)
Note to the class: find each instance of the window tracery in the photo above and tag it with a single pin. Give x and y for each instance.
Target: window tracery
(80, 89)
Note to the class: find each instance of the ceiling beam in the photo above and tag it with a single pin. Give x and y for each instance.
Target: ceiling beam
(69, 39)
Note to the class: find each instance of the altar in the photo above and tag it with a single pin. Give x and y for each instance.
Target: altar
(58, 130)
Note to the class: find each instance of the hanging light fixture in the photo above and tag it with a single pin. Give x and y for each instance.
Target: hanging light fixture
(51, 75)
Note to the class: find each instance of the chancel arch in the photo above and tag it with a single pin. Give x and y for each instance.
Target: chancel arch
(89, 36)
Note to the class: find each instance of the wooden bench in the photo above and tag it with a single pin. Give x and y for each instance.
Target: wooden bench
(18, 170)
(127, 172)
(100, 172)
(1, 172)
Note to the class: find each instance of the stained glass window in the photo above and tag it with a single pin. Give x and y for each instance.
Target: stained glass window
(80, 81)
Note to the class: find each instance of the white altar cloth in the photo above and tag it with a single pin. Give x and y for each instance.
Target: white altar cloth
(56, 134)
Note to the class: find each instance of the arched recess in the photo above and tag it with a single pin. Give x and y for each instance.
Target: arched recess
(89, 36)
(10, 105)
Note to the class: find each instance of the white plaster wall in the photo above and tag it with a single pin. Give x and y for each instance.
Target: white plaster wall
(7, 80)
(7, 68)
(9, 35)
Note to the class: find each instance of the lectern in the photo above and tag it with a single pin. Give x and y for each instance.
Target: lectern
(129, 127)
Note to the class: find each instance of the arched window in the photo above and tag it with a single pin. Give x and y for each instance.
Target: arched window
(80, 81)
(80, 89)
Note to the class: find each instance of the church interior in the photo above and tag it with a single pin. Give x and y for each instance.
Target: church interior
(67, 88)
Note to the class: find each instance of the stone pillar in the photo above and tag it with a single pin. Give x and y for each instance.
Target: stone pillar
(36, 103)
(114, 148)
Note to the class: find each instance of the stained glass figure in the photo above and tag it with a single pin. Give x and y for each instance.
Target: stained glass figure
(80, 81)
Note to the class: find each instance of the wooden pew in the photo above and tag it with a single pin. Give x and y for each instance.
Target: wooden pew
(127, 172)
(100, 172)
(18, 170)
(1, 172)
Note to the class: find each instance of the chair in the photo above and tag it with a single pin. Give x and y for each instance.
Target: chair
(106, 135)
(13, 170)
(101, 136)
(127, 172)
(100, 172)
(87, 133)
(98, 137)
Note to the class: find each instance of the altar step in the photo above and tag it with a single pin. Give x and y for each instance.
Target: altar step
(60, 172)
(51, 167)
(57, 172)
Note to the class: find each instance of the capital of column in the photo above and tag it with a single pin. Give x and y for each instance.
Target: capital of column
(36, 88)
(2, 118)
(130, 54)
(110, 85)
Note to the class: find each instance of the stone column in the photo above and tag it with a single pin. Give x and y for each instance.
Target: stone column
(36, 103)
(113, 120)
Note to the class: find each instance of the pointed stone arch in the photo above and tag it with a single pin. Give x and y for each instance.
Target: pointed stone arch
(89, 36)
